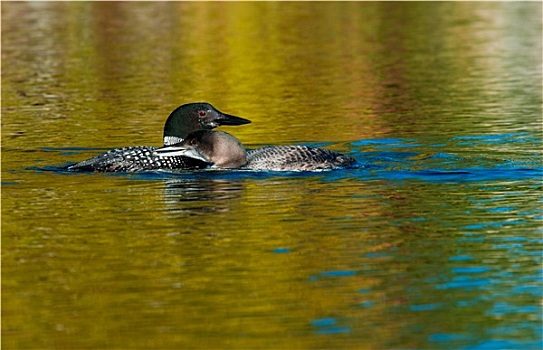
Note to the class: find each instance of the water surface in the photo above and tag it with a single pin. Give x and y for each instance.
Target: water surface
(434, 241)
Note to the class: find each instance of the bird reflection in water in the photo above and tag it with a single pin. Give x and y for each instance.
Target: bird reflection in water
(201, 196)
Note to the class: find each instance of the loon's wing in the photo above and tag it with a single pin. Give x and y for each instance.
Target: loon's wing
(132, 159)
(296, 157)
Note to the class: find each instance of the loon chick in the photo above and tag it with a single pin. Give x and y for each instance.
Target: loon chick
(181, 122)
(223, 150)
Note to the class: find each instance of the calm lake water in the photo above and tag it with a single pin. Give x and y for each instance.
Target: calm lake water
(434, 241)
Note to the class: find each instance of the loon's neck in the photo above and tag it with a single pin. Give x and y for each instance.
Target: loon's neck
(172, 140)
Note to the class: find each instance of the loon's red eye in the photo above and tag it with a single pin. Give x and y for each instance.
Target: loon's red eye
(202, 113)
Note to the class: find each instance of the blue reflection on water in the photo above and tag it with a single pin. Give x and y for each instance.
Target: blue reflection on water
(501, 209)
(398, 160)
(464, 283)
(338, 273)
(282, 250)
(328, 326)
(502, 308)
(431, 175)
(424, 307)
(321, 322)
(473, 269)
(496, 344)
(460, 258)
(335, 273)
(367, 303)
(334, 330)
(447, 337)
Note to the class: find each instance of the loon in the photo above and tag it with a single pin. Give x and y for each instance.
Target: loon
(181, 122)
(223, 150)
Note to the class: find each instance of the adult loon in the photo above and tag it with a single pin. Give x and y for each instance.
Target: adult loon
(223, 150)
(181, 122)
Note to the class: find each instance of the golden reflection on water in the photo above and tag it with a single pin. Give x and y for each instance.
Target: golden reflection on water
(105, 261)
(322, 73)
(301, 73)
(167, 268)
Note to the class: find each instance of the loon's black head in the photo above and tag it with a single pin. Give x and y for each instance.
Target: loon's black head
(196, 116)
(216, 147)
